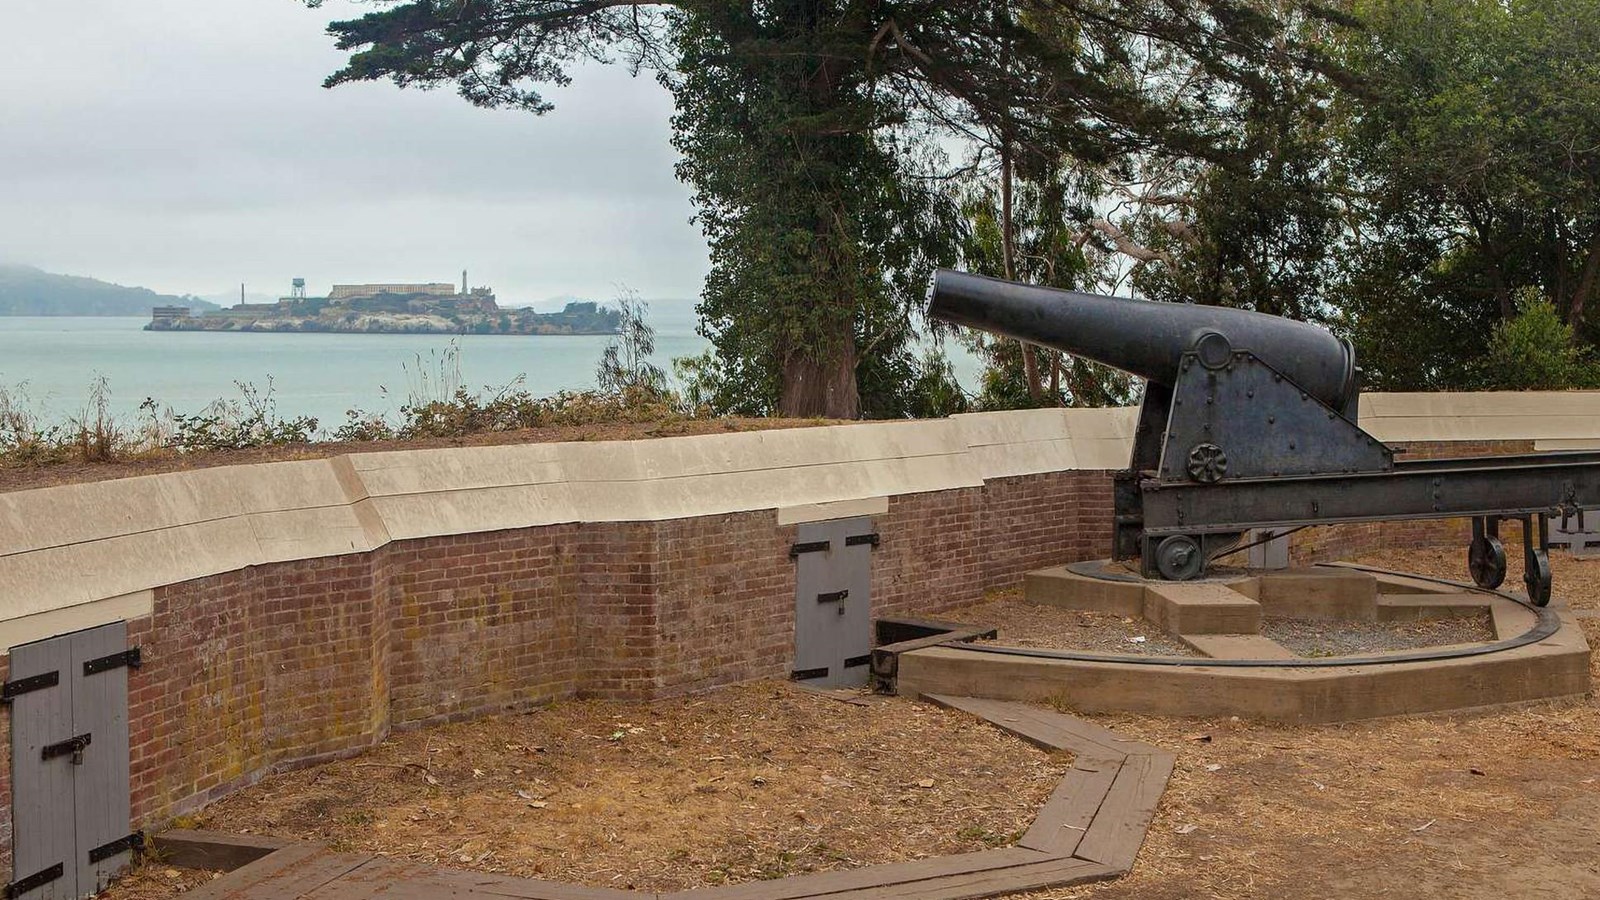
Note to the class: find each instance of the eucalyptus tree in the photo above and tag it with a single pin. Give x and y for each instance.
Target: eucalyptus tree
(811, 133)
(1472, 136)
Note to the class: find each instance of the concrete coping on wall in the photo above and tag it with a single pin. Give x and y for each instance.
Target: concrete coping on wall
(82, 554)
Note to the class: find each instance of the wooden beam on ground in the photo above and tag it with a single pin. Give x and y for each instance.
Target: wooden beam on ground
(1045, 728)
(1066, 816)
(281, 874)
(1118, 830)
(869, 878)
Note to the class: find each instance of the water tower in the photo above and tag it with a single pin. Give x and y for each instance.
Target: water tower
(297, 289)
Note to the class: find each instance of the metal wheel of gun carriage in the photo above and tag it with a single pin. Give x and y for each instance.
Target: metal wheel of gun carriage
(1249, 422)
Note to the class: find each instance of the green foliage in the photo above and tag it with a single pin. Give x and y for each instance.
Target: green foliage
(625, 366)
(1471, 136)
(249, 422)
(812, 133)
(1049, 206)
(820, 236)
(1535, 351)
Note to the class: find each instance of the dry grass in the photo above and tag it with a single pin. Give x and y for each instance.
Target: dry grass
(155, 880)
(1480, 806)
(24, 477)
(750, 782)
(1486, 805)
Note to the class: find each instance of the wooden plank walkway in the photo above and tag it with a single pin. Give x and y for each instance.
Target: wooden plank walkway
(1090, 829)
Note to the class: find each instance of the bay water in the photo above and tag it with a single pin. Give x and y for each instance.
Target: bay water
(54, 361)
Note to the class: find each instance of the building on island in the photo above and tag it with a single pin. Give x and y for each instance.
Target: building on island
(434, 289)
(388, 308)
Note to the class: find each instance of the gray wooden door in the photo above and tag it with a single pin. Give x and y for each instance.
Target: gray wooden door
(833, 602)
(69, 763)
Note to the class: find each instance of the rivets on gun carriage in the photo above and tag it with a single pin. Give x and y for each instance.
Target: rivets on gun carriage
(1272, 420)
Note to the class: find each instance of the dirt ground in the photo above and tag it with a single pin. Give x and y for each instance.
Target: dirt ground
(17, 478)
(152, 879)
(765, 780)
(1475, 806)
(750, 782)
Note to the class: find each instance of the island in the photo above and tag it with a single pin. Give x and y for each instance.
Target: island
(435, 308)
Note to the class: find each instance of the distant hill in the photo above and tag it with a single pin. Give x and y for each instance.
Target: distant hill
(27, 291)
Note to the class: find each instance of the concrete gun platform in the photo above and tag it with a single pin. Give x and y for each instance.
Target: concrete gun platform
(1536, 654)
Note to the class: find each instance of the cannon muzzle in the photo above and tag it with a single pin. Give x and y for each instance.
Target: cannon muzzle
(1146, 338)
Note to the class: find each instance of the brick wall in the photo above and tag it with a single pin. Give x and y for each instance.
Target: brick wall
(1334, 542)
(251, 669)
(480, 623)
(1033, 521)
(286, 664)
(724, 601)
(282, 665)
(931, 557)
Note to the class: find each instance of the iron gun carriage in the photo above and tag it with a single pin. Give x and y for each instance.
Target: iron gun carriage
(1250, 422)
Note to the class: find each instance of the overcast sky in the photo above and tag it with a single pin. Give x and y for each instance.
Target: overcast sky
(188, 146)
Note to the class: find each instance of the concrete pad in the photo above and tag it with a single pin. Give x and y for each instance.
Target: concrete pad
(1201, 608)
(1511, 620)
(1060, 587)
(1405, 584)
(1319, 593)
(1238, 646)
(1420, 607)
(1557, 667)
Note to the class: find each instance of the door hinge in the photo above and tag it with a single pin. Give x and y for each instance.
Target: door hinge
(856, 540)
(43, 876)
(134, 842)
(32, 683)
(72, 746)
(129, 658)
(808, 674)
(833, 596)
(808, 547)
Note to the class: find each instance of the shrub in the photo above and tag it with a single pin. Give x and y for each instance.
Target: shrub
(1536, 351)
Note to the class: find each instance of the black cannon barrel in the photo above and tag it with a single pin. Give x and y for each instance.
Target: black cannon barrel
(1143, 337)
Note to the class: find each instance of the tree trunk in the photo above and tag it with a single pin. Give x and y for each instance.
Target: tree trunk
(1587, 282)
(824, 388)
(1008, 256)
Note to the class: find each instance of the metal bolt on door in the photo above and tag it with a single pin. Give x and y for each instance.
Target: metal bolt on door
(833, 602)
(69, 763)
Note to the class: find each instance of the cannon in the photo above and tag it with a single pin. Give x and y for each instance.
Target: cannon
(1249, 423)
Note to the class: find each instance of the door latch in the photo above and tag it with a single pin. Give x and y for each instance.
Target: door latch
(72, 746)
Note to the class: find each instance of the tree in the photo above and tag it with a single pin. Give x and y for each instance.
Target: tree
(1044, 244)
(1534, 351)
(1472, 135)
(625, 368)
(809, 129)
